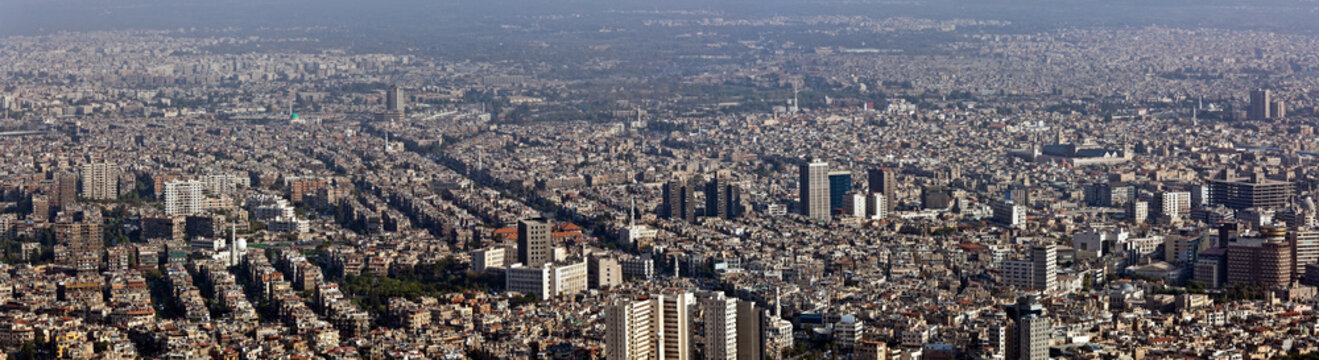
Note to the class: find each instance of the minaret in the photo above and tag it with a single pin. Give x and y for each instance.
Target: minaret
(233, 244)
(778, 304)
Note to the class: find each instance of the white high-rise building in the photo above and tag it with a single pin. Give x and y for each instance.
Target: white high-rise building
(1039, 272)
(394, 98)
(673, 326)
(1174, 204)
(814, 189)
(878, 206)
(628, 331)
(720, 316)
(854, 204)
(183, 198)
(100, 181)
(1030, 338)
(650, 328)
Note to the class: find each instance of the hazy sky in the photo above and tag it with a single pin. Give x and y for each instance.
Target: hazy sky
(42, 16)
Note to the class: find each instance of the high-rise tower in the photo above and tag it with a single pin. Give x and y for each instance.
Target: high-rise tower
(814, 189)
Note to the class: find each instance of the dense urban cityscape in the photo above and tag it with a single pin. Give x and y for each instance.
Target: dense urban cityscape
(634, 183)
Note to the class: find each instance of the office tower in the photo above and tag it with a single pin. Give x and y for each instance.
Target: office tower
(66, 189)
(1099, 194)
(722, 199)
(751, 322)
(935, 197)
(394, 98)
(1257, 190)
(672, 324)
(100, 181)
(1029, 338)
(1199, 195)
(1172, 204)
(883, 181)
(1259, 105)
(1210, 270)
(183, 198)
(1039, 272)
(534, 247)
(1277, 109)
(719, 314)
(679, 201)
(1137, 211)
(840, 183)
(1305, 249)
(1008, 213)
(877, 206)
(1044, 260)
(813, 187)
(1183, 249)
(1264, 259)
(628, 329)
(854, 205)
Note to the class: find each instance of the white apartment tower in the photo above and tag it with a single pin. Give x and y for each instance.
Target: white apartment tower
(183, 198)
(628, 330)
(720, 316)
(100, 181)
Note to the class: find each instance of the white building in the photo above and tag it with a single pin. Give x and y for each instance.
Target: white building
(568, 279)
(1175, 204)
(100, 181)
(224, 184)
(183, 198)
(877, 206)
(1039, 272)
(638, 267)
(264, 207)
(1009, 213)
(487, 258)
(854, 205)
(720, 316)
(548, 281)
(673, 326)
(1090, 244)
(628, 332)
(848, 331)
(288, 225)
